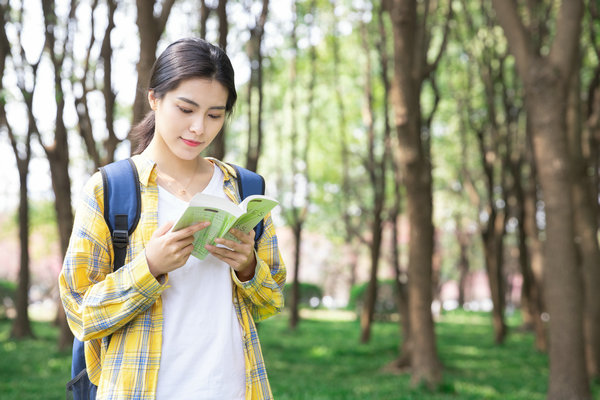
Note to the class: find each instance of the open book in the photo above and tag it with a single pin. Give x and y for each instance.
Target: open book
(223, 215)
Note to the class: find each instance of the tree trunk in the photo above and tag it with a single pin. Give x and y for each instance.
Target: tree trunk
(534, 248)
(57, 152)
(406, 89)
(462, 237)
(493, 249)
(368, 311)
(546, 79)
(376, 166)
(403, 361)
(562, 276)
(296, 215)
(21, 327)
(295, 306)
(586, 231)
(531, 292)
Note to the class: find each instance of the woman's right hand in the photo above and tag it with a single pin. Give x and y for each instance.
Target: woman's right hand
(166, 251)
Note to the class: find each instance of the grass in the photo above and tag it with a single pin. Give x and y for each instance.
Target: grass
(32, 369)
(324, 360)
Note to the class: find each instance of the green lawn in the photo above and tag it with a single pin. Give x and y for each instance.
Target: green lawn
(323, 360)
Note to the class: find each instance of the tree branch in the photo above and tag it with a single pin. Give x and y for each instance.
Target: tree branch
(432, 67)
(518, 41)
(164, 15)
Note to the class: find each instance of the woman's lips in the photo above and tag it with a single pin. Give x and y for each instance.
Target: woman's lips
(191, 143)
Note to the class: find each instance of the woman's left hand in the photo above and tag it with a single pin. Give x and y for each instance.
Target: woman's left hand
(239, 256)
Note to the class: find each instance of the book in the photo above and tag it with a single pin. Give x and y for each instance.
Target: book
(223, 215)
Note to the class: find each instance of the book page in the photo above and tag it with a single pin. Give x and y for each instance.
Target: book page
(220, 222)
(257, 207)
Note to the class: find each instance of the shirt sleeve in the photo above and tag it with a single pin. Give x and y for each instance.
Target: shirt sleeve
(96, 300)
(263, 294)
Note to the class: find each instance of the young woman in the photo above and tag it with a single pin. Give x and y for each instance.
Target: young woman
(167, 325)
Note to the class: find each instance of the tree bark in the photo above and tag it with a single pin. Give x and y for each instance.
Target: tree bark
(546, 80)
(21, 327)
(462, 238)
(406, 88)
(586, 230)
(531, 304)
(403, 361)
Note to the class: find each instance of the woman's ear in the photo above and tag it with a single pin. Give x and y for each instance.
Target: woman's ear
(152, 100)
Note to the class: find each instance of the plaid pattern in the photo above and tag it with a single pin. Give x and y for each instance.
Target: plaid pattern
(119, 314)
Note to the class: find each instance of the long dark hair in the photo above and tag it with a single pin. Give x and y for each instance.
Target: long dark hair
(181, 60)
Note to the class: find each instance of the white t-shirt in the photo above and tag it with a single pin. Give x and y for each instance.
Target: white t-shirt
(202, 350)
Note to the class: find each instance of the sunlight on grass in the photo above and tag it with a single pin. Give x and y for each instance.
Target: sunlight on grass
(323, 360)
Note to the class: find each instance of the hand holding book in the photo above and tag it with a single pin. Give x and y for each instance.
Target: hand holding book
(222, 215)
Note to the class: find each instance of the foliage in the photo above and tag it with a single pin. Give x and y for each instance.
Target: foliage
(41, 215)
(386, 303)
(322, 360)
(8, 290)
(307, 292)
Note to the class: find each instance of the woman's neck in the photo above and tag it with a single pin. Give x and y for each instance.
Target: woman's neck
(173, 166)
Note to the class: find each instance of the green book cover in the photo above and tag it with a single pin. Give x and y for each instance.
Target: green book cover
(222, 215)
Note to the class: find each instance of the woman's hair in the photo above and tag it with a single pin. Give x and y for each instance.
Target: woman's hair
(181, 60)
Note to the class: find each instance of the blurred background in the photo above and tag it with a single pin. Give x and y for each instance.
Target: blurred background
(436, 163)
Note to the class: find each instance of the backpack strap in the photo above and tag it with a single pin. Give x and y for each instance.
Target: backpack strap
(122, 200)
(250, 183)
(122, 204)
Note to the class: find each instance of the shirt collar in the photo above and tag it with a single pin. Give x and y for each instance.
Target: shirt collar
(146, 169)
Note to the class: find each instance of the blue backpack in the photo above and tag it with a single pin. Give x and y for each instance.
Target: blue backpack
(122, 202)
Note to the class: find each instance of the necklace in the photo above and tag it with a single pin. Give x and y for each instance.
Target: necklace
(171, 182)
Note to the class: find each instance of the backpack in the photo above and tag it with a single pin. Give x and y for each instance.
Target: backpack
(122, 200)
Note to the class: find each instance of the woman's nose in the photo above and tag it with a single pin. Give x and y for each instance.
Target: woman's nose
(197, 126)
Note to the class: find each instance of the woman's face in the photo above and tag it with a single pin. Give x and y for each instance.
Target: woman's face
(190, 116)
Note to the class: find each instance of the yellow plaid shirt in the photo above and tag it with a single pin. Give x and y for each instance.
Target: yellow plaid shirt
(119, 314)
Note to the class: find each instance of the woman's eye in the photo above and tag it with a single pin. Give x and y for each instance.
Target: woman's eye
(184, 110)
(214, 116)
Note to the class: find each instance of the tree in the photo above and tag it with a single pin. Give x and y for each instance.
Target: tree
(587, 182)
(21, 327)
(376, 163)
(255, 56)
(546, 79)
(58, 49)
(104, 154)
(411, 69)
(586, 226)
(150, 29)
(351, 230)
(297, 213)
(494, 142)
(217, 147)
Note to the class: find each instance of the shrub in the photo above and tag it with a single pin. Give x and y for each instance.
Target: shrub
(7, 295)
(385, 305)
(307, 292)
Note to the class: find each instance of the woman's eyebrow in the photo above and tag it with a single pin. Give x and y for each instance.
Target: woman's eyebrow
(192, 102)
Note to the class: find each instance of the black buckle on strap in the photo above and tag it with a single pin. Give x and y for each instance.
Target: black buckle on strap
(120, 238)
